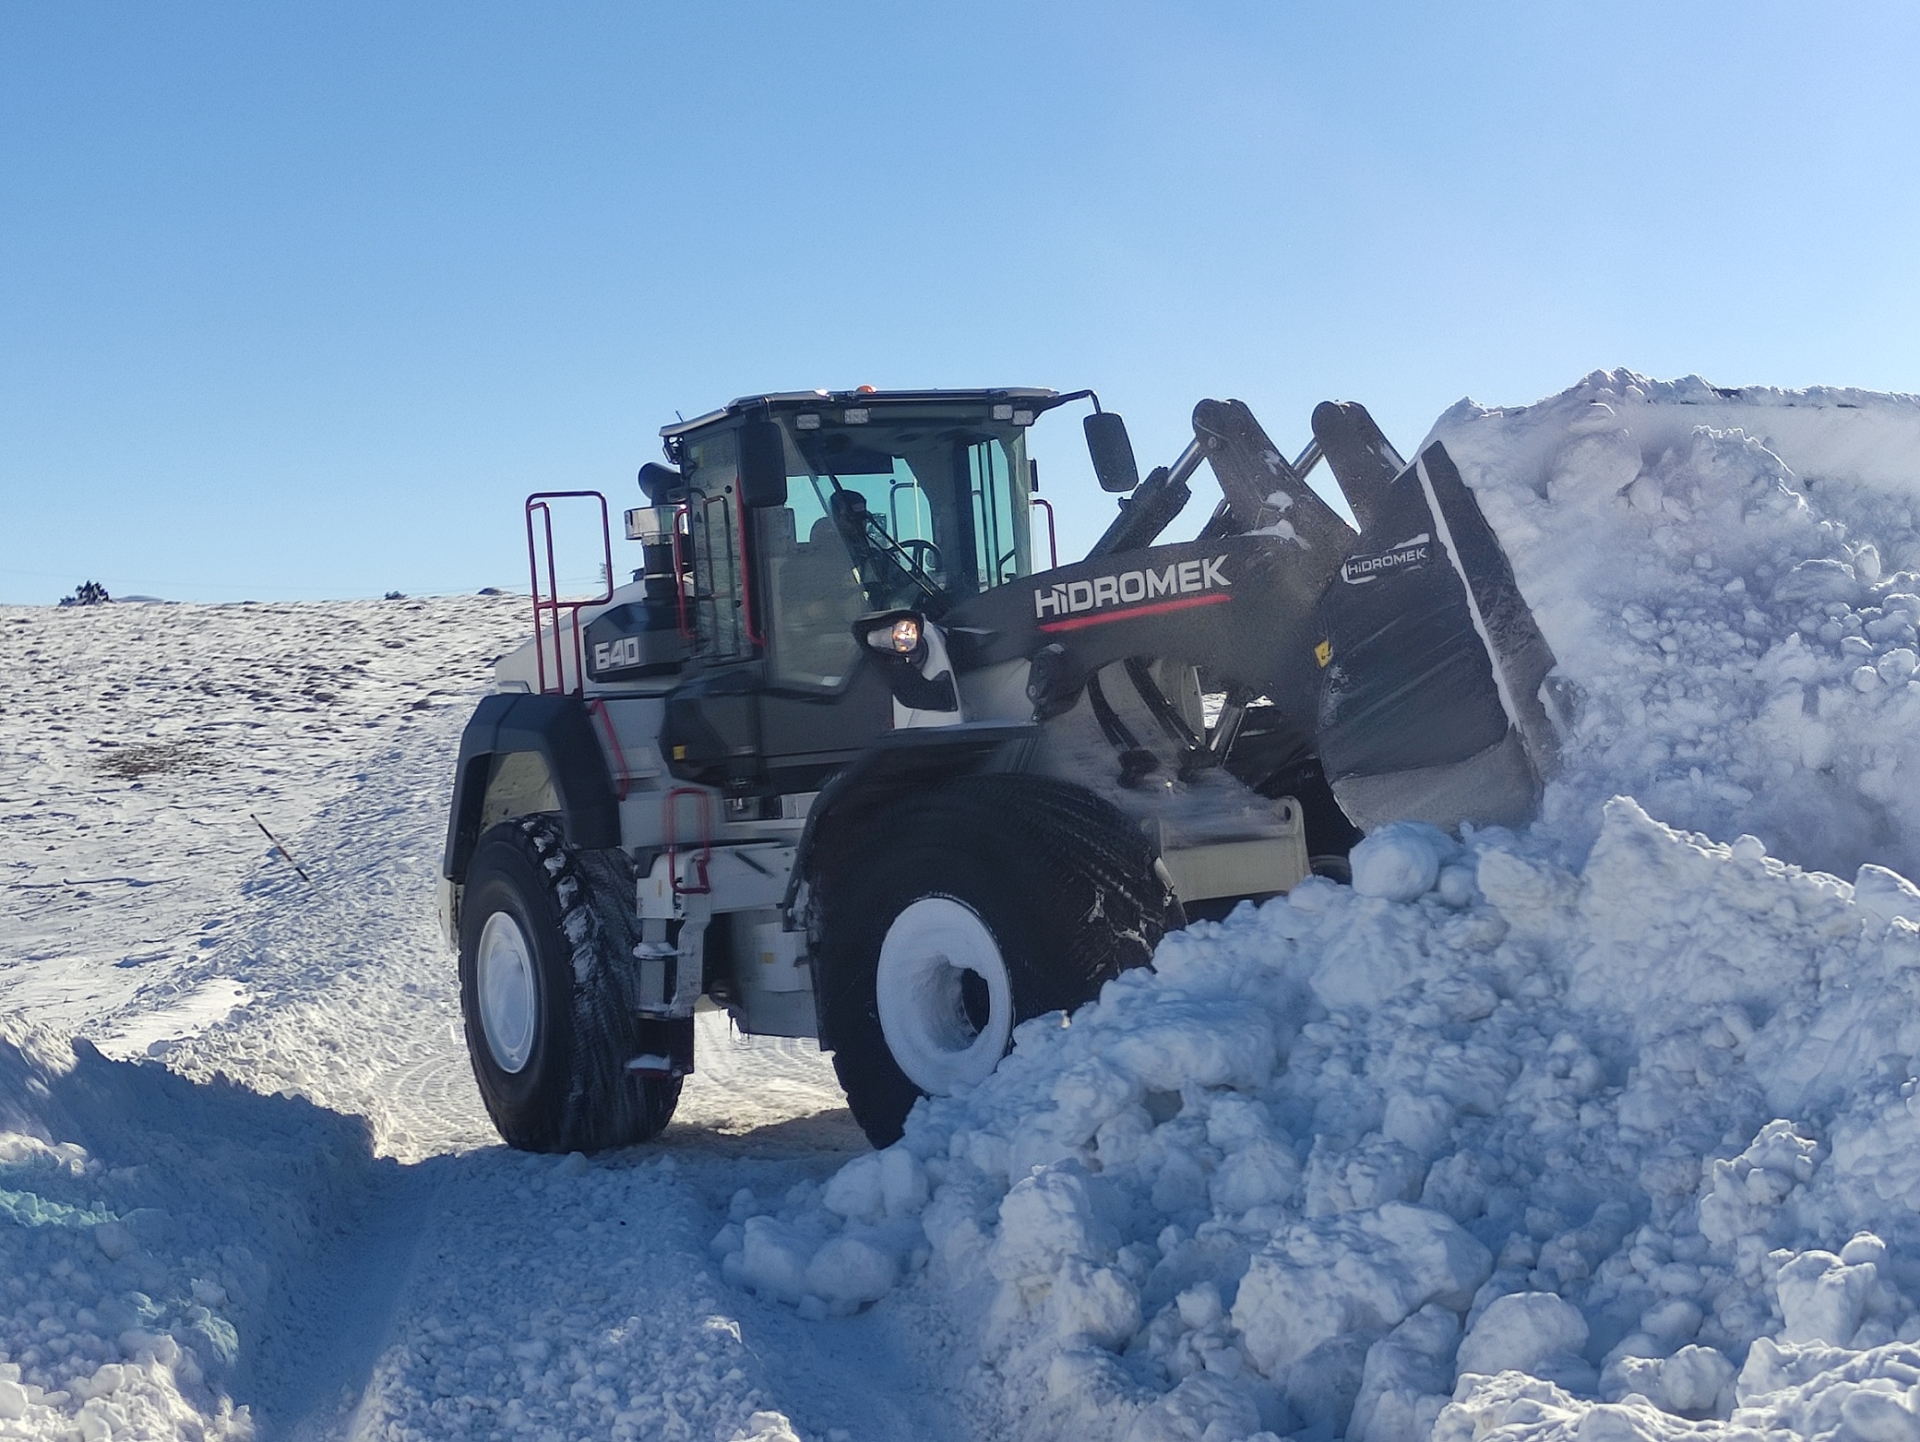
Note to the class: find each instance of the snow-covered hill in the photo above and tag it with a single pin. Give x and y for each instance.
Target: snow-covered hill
(1606, 1130)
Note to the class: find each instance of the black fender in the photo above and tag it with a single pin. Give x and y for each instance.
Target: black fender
(559, 729)
(897, 764)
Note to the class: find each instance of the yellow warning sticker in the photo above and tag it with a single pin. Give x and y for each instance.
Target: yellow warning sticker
(1323, 653)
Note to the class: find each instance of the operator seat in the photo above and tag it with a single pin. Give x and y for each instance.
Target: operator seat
(818, 600)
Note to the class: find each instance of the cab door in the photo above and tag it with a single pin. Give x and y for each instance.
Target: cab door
(777, 697)
(823, 702)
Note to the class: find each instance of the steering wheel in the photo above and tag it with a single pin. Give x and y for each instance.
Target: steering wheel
(925, 555)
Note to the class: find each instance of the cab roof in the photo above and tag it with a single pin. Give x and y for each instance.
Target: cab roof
(1036, 398)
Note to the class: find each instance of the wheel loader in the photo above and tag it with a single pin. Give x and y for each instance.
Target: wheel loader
(856, 757)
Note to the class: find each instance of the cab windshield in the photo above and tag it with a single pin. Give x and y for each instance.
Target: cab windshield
(928, 513)
(908, 512)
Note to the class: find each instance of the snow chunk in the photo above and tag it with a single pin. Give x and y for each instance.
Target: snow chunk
(1523, 1332)
(850, 1271)
(1407, 1378)
(1201, 1408)
(1818, 581)
(1822, 1298)
(1696, 1382)
(773, 1258)
(856, 1191)
(1196, 1043)
(1359, 1272)
(1886, 895)
(767, 1427)
(1401, 861)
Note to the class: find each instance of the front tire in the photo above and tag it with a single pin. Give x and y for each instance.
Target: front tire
(544, 930)
(978, 905)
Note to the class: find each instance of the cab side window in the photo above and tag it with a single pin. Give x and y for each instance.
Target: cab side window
(713, 533)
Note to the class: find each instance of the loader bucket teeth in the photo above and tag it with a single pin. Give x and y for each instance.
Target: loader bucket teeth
(1430, 708)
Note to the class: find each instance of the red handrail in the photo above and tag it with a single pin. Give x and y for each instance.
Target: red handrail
(623, 783)
(551, 603)
(669, 827)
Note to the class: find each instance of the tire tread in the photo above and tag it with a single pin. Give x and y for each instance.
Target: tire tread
(597, 1104)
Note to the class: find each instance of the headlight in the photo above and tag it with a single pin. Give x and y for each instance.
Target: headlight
(895, 637)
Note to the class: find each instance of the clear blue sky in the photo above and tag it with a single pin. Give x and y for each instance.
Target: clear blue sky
(299, 300)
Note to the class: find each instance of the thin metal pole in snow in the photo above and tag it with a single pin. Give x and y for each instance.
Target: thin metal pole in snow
(283, 851)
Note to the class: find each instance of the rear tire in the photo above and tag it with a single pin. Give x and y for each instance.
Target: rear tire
(963, 912)
(544, 930)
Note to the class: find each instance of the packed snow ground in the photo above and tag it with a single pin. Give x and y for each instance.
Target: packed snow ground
(1609, 1130)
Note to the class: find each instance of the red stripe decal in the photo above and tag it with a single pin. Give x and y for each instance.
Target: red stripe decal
(1158, 608)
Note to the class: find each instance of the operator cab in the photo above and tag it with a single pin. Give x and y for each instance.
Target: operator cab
(804, 512)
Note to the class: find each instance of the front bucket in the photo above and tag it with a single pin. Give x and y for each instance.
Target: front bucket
(1431, 707)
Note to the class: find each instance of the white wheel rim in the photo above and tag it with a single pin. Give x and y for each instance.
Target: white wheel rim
(508, 1004)
(927, 950)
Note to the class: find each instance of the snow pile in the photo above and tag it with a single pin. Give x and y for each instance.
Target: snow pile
(1611, 1128)
(145, 1225)
(1729, 577)
(1332, 1156)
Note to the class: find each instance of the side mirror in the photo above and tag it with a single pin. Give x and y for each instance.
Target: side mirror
(662, 485)
(1111, 451)
(763, 464)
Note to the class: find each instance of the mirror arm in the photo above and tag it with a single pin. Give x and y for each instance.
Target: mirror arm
(1042, 407)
